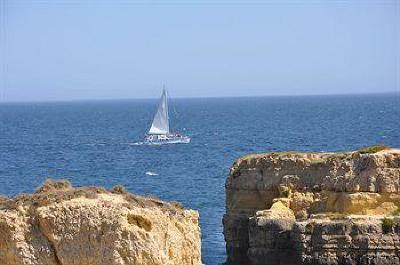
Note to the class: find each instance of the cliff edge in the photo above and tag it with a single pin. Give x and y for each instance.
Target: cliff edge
(62, 225)
(314, 208)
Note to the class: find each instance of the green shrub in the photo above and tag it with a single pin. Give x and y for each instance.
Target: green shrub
(387, 225)
(310, 228)
(285, 193)
(396, 212)
(373, 149)
(118, 189)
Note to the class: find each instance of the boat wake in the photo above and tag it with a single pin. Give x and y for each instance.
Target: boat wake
(137, 143)
(95, 144)
(149, 173)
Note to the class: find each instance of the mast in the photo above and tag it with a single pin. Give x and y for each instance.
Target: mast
(166, 104)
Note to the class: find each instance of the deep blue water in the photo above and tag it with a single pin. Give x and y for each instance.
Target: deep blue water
(91, 143)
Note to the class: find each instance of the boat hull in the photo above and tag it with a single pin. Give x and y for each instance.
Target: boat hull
(159, 139)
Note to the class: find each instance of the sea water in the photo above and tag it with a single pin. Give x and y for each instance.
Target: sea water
(99, 143)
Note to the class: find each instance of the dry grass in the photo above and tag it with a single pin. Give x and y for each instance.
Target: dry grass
(58, 191)
(322, 158)
(50, 185)
(273, 154)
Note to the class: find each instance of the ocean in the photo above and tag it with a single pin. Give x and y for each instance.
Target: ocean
(98, 143)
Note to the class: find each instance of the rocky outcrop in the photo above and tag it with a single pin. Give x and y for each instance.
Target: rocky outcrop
(269, 231)
(61, 225)
(337, 204)
(354, 240)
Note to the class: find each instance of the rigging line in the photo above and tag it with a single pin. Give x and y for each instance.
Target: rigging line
(175, 112)
(173, 104)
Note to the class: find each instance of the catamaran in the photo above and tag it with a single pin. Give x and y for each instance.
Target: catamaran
(159, 132)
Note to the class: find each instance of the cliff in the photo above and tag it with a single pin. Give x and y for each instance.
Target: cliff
(314, 208)
(62, 225)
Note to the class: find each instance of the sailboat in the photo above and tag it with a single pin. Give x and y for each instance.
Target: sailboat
(159, 132)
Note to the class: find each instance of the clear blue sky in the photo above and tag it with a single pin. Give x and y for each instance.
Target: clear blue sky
(67, 50)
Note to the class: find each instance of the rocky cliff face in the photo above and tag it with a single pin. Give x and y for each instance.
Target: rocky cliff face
(61, 225)
(314, 208)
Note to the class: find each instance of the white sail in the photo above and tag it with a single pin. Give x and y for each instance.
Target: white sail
(160, 123)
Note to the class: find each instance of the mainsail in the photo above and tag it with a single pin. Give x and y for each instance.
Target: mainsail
(160, 123)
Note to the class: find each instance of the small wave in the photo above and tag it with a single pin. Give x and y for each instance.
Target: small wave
(95, 144)
(137, 143)
(149, 173)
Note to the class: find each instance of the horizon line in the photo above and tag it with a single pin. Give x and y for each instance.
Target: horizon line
(201, 97)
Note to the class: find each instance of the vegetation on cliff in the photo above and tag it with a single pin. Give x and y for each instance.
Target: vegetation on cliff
(61, 190)
(373, 149)
(364, 150)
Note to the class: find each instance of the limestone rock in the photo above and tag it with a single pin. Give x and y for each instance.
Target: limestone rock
(358, 240)
(325, 186)
(277, 213)
(61, 225)
(300, 204)
(269, 231)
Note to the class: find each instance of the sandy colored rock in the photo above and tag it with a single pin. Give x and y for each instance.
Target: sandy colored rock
(269, 231)
(61, 225)
(300, 203)
(278, 211)
(325, 186)
(354, 240)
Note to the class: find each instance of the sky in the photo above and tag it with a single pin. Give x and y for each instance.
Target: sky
(74, 50)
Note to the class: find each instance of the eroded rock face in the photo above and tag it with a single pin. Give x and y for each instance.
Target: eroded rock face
(312, 186)
(355, 240)
(269, 233)
(61, 225)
